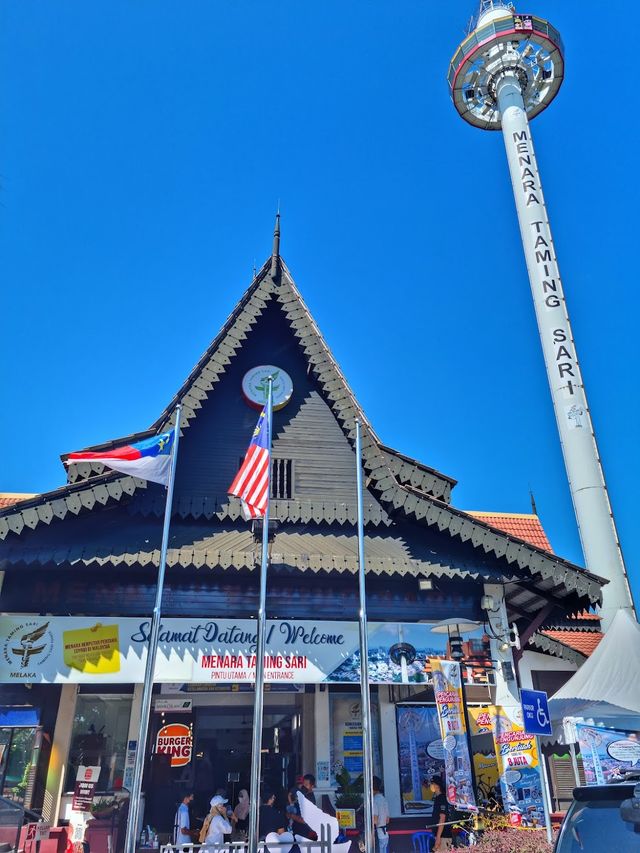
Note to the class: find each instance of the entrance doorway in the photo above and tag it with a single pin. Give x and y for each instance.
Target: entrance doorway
(221, 757)
(222, 747)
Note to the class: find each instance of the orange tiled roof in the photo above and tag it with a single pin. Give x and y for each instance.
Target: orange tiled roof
(585, 642)
(525, 526)
(529, 528)
(584, 615)
(11, 498)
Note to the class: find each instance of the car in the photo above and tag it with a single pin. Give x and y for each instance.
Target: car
(601, 818)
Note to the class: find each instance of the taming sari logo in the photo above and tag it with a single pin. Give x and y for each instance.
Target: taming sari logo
(27, 646)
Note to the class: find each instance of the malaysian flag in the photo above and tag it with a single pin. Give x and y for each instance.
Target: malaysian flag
(251, 484)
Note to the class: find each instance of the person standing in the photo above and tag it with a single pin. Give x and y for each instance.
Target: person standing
(440, 823)
(380, 815)
(307, 787)
(182, 822)
(241, 812)
(215, 825)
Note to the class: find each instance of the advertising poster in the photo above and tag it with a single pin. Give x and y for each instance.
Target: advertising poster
(519, 768)
(61, 649)
(607, 754)
(420, 755)
(457, 761)
(484, 753)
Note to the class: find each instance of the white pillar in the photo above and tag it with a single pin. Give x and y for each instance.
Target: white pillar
(389, 747)
(507, 692)
(136, 709)
(59, 758)
(322, 739)
(598, 534)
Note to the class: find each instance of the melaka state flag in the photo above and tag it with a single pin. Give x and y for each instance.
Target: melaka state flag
(149, 459)
(251, 484)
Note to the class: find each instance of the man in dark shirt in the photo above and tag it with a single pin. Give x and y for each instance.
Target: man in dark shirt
(306, 789)
(273, 822)
(440, 822)
(269, 818)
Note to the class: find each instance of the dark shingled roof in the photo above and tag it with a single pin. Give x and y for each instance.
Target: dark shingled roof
(401, 489)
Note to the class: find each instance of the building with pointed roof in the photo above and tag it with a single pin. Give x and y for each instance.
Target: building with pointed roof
(82, 560)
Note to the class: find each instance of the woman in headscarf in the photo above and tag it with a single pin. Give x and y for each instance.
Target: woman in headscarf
(241, 812)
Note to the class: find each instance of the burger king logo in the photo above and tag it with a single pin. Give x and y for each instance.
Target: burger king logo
(175, 740)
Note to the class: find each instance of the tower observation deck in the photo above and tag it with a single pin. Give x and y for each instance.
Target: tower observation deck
(507, 71)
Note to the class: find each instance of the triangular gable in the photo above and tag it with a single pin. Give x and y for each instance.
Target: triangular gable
(400, 485)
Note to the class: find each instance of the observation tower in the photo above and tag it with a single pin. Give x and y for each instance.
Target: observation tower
(507, 71)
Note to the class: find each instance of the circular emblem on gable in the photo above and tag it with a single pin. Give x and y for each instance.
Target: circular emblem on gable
(254, 386)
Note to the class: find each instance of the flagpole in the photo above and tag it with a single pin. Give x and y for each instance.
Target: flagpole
(136, 786)
(256, 748)
(367, 751)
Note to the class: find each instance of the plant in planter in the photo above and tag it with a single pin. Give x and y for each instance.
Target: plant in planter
(349, 792)
(103, 807)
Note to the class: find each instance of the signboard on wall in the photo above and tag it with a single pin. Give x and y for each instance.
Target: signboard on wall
(346, 749)
(129, 765)
(85, 787)
(61, 649)
(322, 773)
(346, 818)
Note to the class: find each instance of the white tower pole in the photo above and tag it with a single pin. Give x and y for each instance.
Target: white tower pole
(596, 524)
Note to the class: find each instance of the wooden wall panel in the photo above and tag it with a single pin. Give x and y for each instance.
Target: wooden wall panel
(305, 430)
(208, 594)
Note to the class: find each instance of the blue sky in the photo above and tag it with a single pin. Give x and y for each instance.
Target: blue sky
(143, 149)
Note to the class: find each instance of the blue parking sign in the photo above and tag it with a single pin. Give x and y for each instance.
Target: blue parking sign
(535, 712)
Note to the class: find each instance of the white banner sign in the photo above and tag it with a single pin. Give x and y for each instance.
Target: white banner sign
(60, 649)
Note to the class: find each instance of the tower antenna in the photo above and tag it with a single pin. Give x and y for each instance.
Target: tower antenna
(275, 254)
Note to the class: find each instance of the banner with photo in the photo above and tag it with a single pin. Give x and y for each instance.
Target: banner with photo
(74, 649)
(520, 772)
(607, 754)
(420, 755)
(447, 686)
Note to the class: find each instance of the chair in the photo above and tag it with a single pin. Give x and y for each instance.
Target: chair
(421, 842)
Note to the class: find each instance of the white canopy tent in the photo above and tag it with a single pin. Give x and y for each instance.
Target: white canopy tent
(606, 689)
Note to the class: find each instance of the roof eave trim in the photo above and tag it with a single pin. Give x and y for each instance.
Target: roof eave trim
(556, 649)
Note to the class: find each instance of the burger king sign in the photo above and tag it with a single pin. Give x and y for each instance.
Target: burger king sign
(175, 740)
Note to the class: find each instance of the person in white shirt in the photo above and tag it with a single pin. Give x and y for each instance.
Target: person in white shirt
(182, 822)
(380, 815)
(216, 823)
